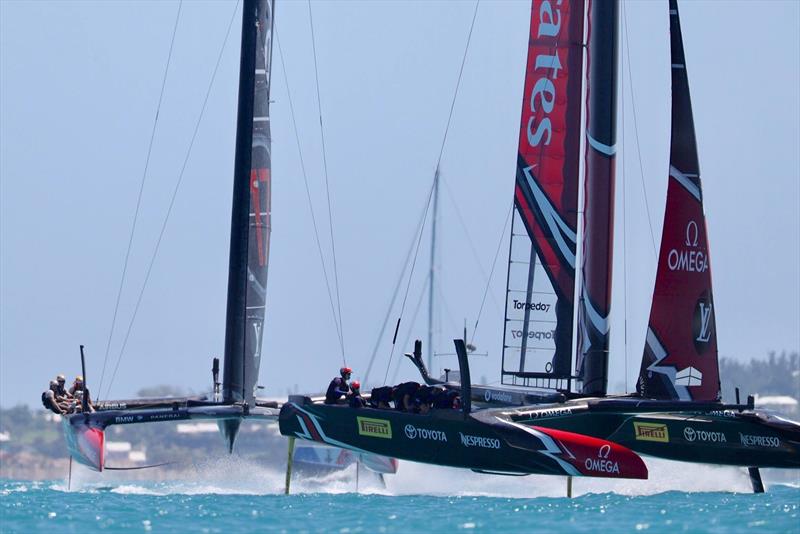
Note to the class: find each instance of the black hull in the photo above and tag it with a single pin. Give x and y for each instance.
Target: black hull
(515, 440)
(481, 442)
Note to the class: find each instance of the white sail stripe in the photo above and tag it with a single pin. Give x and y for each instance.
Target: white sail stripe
(601, 147)
(660, 353)
(552, 219)
(599, 322)
(673, 11)
(678, 66)
(261, 71)
(685, 181)
(550, 445)
(260, 119)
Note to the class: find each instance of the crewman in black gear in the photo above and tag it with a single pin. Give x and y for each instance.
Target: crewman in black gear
(49, 399)
(381, 397)
(354, 398)
(338, 387)
(404, 396)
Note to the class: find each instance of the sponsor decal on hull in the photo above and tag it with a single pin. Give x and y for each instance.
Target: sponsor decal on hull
(550, 412)
(376, 428)
(602, 464)
(759, 441)
(499, 396)
(692, 435)
(651, 432)
(479, 441)
(414, 432)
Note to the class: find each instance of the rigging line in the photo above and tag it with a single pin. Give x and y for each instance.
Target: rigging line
(491, 273)
(626, 40)
(139, 197)
(434, 181)
(172, 200)
(466, 232)
(308, 193)
(327, 188)
(458, 84)
(410, 277)
(411, 327)
(636, 132)
(393, 299)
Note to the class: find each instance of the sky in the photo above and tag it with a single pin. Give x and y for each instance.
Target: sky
(79, 87)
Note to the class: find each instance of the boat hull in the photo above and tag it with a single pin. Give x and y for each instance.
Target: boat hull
(446, 437)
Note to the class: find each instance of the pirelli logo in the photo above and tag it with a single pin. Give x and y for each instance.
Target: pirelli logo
(376, 428)
(651, 432)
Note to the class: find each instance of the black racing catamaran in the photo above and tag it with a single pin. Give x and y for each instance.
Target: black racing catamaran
(553, 421)
(247, 274)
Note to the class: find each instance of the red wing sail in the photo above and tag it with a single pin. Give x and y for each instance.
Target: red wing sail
(680, 354)
(541, 273)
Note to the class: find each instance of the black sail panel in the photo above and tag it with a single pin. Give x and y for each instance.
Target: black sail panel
(250, 217)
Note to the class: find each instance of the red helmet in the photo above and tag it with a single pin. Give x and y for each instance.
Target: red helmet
(356, 384)
(345, 371)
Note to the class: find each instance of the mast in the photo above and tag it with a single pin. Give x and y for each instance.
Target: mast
(250, 214)
(537, 340)
(680, 353)
(432, 267)
(598, 237)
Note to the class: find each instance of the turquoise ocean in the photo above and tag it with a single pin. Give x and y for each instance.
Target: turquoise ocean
(230, 496)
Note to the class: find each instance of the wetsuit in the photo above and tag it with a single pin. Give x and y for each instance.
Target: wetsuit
(355, 400)
(445, 400)
(49, 402)
(336, 390)
(381, 395)
(400, 392)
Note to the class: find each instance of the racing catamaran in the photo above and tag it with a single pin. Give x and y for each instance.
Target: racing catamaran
(234, 399)
(554, 421)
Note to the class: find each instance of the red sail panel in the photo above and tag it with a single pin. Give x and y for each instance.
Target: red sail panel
(538, 337)
(601, 138)
(680, 355)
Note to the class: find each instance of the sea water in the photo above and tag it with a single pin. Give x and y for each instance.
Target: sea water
(231, 496)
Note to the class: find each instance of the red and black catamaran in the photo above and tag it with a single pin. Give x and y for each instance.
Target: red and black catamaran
(558, 418)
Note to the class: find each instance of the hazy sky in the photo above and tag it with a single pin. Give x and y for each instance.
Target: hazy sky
(79, 83)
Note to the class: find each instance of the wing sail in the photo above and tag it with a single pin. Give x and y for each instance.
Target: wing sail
(250, 219)
(537, 344)
(680, 354)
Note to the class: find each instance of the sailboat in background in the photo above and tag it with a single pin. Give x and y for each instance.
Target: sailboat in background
(235, 398)
(558, 418)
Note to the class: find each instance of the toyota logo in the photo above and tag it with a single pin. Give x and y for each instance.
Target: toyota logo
(688, 433)
(411, 431)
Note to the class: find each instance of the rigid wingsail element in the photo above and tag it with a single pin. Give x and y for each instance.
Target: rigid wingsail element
(537, 343)
(680, 354)
(598, 235)
(250, 218)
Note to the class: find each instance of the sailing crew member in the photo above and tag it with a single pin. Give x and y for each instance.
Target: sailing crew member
(77, 386)
(61, 391)
(49, 399)
(404, 396)
(354, 398)
(338, 387)
(381, 397)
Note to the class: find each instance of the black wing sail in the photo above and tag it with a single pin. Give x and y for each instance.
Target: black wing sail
(250, 218)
